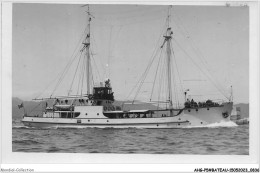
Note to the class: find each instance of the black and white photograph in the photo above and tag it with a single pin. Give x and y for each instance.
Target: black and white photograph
(131, 79)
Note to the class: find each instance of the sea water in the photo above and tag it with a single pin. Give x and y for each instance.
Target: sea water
(215, 139)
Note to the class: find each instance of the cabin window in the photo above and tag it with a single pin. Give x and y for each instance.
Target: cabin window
(69, 114)
(63, 114)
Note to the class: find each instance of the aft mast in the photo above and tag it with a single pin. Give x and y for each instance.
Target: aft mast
(86, 44)
(167, 40)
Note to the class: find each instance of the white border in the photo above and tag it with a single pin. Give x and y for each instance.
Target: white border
(161, 163)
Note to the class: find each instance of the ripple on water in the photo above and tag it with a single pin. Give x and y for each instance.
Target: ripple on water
(25, 142)
(53, 150)
(160, 141)
(172, 143)
(162, 138)
(210, 148)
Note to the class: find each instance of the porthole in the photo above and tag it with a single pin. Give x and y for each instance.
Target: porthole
(107, 121)
(207, 108)
(88, 120)
(189, 110)
(97, 113)
(86, 113)
(197, 110)
(178, 124)
(201, 122)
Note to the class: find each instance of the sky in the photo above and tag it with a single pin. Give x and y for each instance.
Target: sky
(123, 40)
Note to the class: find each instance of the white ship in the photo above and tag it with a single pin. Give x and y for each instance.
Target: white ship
(96, 107)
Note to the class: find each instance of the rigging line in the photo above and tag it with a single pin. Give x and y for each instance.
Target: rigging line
(196, 49)
(159, 85)
(98, 57)
(175, 92)
(80, 40)
(100, 62)
(144, 76)
(158, 41)
(151, 60)
(136, 15)
(174, 58)
(90, 74)
(161, 79)
(156, 74)
(166, 89)
(200, 68)
(131, 23)
(117, 36)
(142, 14)
(47, 86)
(123, 12)
(113, 46)
(80, 75)
(84, 72)
(190, 38)
(60, 74)
(109, 52)
(92, 78)
(142, 21)
(70, 61)
(95, 65)
(63, 73)
(34, 108)
(177, 69)
(75, 72)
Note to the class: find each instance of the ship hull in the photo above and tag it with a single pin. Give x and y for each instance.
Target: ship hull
(126, 125)
(188, 118)
(166, 122)
(208, 115)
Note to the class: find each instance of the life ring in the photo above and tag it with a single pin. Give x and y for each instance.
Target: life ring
(225, 114)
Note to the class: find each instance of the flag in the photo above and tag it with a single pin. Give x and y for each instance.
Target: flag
(20, 106)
